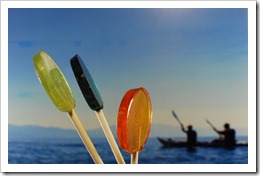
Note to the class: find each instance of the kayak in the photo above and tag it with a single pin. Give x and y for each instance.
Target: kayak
(169, 142)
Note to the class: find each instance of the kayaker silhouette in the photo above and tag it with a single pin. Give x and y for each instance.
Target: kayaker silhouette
(191, 137)
(191, 134)
(229, 136)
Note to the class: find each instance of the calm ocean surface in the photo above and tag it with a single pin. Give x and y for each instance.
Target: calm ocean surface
(72, 151)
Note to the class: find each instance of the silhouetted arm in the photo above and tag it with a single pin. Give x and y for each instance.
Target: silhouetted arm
(183, 129)
(215, 129)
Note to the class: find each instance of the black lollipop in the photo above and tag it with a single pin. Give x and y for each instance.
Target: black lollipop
(91, 94)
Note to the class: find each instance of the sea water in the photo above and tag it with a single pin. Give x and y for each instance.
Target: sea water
(72, 151)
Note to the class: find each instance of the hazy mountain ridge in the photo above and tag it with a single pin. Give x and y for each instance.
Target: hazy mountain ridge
(29, 131)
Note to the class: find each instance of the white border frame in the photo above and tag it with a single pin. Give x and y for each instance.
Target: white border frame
(250, 167)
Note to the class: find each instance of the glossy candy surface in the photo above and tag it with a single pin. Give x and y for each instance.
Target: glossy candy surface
(86, 83)
(134, 120)
(53, 82)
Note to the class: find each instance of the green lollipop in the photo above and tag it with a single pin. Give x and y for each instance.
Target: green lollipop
(60, 94)
(53, 82)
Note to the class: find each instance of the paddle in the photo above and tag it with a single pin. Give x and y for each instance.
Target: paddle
(211, 125)
(176, 117)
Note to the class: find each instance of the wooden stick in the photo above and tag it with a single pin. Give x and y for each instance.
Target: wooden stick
(110, 137)
(84, 137)
(134, 158)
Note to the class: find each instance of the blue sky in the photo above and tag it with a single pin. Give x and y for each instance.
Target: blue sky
(191, 60)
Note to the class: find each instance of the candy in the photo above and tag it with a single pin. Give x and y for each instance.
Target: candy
(60, 94)
(134, 120)
(53, 82)
(91, 94)
(86, 83)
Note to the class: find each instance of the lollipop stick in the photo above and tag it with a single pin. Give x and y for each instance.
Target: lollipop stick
(134, 158)
(110, 137)
(84, 137)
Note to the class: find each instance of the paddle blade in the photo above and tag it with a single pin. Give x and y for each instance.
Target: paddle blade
(210, 124)
(175, 115)
(53, 81)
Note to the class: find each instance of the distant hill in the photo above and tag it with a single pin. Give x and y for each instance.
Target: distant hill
(29, 132)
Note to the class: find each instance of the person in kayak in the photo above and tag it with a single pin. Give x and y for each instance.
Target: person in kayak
(229, 136)
(191, 137)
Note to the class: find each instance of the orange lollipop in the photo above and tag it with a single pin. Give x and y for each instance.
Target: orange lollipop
(134, 121)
